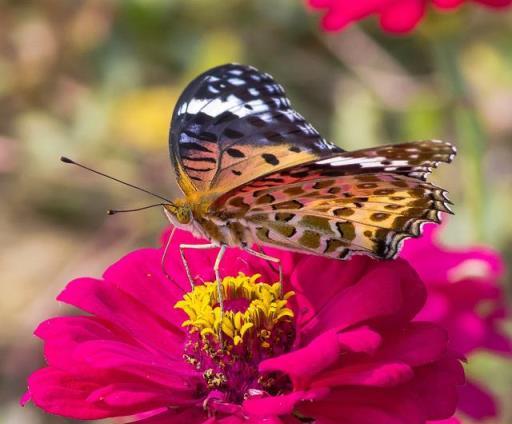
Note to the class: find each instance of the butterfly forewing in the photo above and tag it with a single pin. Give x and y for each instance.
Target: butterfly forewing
(233, 124)
(367, 201)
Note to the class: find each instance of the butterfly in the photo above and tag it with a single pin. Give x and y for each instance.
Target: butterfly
(254, 172)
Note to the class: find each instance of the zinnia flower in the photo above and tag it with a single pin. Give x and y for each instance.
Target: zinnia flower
(335, 343)
(465, 297)
(396, 16)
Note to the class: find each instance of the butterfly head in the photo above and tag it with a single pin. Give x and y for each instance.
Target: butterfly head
(178, 213)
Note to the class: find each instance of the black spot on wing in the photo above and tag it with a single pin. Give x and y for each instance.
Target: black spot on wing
(235, 153)
(270, 158)
(196, 146)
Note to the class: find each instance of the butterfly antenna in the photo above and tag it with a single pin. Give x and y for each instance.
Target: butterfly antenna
(67, 160)
(115, 211)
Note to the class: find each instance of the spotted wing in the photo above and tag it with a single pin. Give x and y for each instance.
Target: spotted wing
(233, 124)
(367, 201)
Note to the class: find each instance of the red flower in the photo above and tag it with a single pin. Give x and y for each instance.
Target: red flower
(343, 347)
(397, 16)
(465, 297)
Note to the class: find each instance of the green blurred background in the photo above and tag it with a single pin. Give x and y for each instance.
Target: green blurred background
(97, 80)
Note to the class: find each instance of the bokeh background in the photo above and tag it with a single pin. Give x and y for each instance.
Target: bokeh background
(97, 80)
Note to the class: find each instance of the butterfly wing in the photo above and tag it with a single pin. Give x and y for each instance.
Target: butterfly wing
(367, 201)
(233, 124)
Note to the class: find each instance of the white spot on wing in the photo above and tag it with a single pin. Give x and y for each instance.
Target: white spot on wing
(236, 81)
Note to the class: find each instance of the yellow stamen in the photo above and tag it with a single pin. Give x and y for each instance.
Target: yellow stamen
(267, 307)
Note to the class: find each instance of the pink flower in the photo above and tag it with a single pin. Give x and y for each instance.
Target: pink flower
(342, 347)
(465, 297)
(396, 16)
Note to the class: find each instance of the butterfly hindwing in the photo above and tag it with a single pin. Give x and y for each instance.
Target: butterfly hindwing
(233, 124)
(356, 202)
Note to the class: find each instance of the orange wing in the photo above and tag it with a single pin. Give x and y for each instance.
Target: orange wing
(368, 201)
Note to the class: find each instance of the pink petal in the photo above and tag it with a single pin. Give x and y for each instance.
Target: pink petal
(390, 291)
(344, 12)
(452, 420)
(365, 406)
(479, 262)
(176, 416)
(302, 364)
(367, 374)
(360, 340)
(62, 336)
(318, 4)
(279, 405)
(140, 275)
(447, 4)
(402, 16)
(436, 385)
(496, 3)
(498, 342)
(419, 343)
(131, 397)
(113, 305)
(477, 402)
(59, 393)
(134, 362)
(25, 398)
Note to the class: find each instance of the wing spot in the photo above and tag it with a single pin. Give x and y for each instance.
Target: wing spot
(316, 223)
(265, 199)
(346, 230)
(310, 239)
(294, 191)
(283, 216)
(285, 230)
(323, 184)
(291, 204)
(379, 216)
(235, 153)
(333, 245)
(367, 185)
(263, 234)
(344, 212)
(270, 158)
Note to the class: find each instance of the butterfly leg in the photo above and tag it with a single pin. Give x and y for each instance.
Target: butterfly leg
(218, 281)
(268, 258)
(184, 259)
(166, 250)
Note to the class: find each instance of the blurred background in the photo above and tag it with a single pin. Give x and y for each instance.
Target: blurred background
(97, 81)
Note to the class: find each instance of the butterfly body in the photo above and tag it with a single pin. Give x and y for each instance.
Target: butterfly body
(253, 171)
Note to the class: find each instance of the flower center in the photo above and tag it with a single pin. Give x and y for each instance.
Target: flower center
(227, 347)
